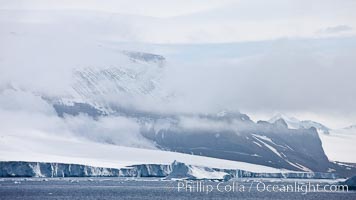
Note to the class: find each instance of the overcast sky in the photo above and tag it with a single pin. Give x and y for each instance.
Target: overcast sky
(291, 56)
(187, 21)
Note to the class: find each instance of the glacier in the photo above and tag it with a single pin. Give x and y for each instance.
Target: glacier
(174, 171)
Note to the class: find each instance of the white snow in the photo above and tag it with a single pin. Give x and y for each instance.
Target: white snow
(299, 166)
(294, 123)
(257, 144)
(270, 147)
(339, 145)
(260, 138)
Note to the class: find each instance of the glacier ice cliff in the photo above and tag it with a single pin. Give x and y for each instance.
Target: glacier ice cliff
(42, 169)
(176, 170)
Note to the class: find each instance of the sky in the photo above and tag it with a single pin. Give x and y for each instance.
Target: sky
(202, 21)
(260, 57)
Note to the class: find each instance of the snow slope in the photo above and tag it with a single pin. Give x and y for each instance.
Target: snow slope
(339, 145)
(41, 147)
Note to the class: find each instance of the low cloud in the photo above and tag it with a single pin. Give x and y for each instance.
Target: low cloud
(290, 76)
(23, 113)
(113, 130)
(336, 29)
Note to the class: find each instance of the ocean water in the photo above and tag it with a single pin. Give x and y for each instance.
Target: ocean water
(127, 188)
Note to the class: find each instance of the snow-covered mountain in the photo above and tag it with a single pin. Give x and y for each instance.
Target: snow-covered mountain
(294, 123)
(104, 92)
(101, 86)
(99, 93)
(138, 78)
(80, 97)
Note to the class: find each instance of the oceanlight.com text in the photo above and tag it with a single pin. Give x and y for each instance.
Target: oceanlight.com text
(259, 186)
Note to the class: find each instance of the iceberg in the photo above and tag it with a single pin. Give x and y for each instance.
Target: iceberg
(183, 171)
(351, 183)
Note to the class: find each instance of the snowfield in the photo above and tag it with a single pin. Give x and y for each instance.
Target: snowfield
(41, 147)
(339, 145)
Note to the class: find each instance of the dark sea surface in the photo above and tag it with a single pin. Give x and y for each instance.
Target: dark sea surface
(127, 188)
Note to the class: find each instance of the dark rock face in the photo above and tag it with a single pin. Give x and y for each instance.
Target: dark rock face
(76, 109)
(282, 149)
(266, 144)
(263, 143)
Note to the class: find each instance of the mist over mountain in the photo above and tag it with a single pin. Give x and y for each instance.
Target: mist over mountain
(104, 78)
(90, 112)
(294, 123)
